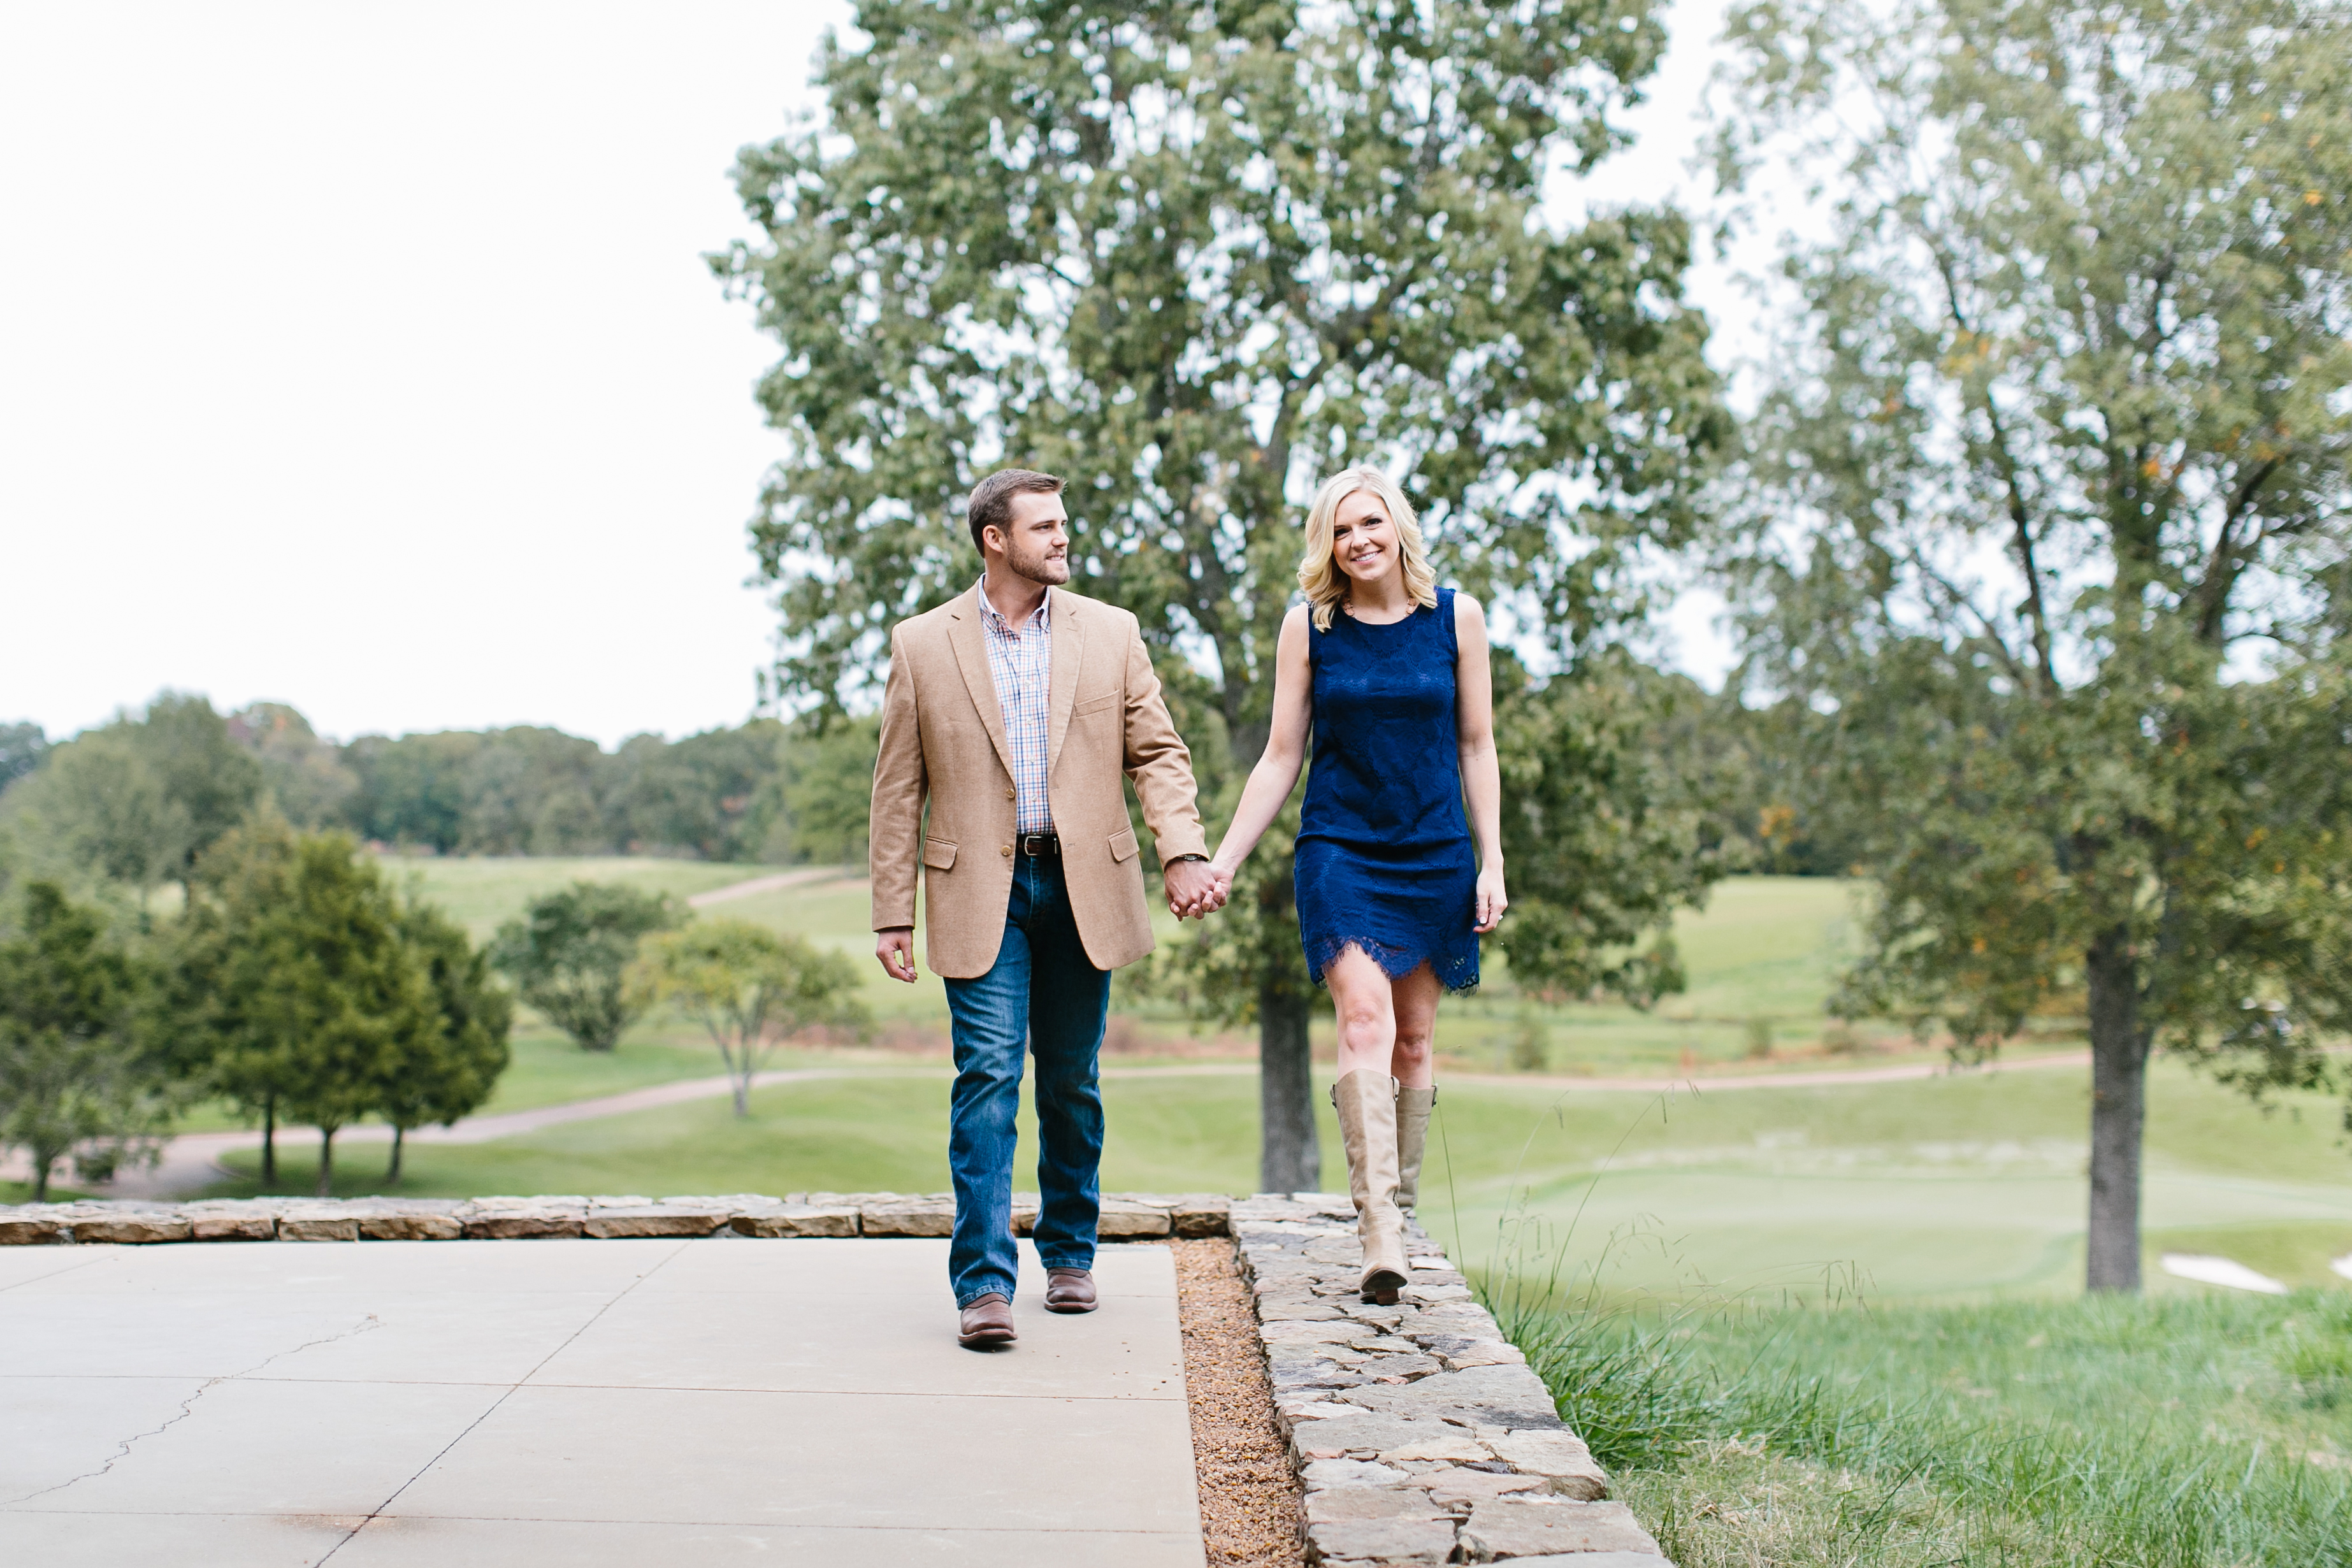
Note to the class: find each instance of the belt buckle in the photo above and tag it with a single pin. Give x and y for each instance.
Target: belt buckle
(1034, 846)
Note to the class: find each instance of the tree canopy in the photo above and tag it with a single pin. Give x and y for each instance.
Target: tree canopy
(449, 1071)
(134, 802)
(76, 1075)
(750, 987)
(570, 956)
(308, 1000)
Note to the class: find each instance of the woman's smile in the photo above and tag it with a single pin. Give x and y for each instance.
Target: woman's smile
(1361, 547)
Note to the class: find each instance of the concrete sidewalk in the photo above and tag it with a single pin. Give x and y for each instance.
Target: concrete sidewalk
(582, 1403)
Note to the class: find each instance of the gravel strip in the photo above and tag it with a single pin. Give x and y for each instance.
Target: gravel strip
(1250, 1496)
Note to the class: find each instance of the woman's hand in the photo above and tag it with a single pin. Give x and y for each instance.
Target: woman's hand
(1491, 900)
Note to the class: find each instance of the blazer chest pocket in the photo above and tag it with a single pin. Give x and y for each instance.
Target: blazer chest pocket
(1096, 704)
(938, 855)
(1122, 844)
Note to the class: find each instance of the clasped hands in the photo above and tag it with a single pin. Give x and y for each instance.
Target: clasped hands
(1196, 889)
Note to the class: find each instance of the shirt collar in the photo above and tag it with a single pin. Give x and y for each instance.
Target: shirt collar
(1042, 618)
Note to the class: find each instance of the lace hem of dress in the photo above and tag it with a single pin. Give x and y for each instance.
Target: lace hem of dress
(1455, 972)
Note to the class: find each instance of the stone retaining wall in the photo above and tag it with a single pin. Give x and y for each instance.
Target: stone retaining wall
(1125, 1217)
(1420, 1433)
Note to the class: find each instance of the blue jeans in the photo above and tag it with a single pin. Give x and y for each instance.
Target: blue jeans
(1044, 994)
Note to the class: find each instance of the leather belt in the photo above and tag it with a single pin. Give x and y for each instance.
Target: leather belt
(1040, 844)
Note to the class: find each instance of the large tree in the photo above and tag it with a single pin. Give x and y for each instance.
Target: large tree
(1192, 256)
(305, 993)
(305, 776)
(449, 1070)
(750, 989)
(2047, 540)
(135, 801)
(569, 955)
(22, 747)
(76, 1075)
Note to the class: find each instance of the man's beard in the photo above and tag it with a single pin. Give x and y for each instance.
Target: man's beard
(1040, 568)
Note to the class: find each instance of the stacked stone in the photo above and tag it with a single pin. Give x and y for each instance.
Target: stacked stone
(1418, 1430)
(1125, 1217)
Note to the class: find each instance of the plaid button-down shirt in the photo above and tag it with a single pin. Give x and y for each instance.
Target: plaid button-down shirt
(1020, 661)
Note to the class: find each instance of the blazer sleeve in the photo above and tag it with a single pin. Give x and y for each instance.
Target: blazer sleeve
(1157, 760)
(895, 822)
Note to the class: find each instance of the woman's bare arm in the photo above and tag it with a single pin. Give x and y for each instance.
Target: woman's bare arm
(1277, 773)
(1482, 777)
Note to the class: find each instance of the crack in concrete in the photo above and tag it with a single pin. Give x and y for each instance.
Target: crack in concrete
(377, 1511)
(52, 1274)
(188, 1406)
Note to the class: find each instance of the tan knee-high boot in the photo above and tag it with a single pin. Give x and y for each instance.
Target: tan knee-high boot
(1366, 1102)
(1413, 1108)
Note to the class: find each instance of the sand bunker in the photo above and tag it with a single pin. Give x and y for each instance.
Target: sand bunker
(2223, 1271)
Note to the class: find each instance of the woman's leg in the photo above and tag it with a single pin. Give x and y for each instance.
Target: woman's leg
(1363, 998)
(1412, 1007)
(1365, 1097)
(1415, 1004)
(1385, 1025)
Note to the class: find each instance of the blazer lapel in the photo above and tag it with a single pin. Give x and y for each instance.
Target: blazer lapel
(970, 644)
(1069, 646)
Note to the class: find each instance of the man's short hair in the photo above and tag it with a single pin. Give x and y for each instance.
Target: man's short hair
(991, 500)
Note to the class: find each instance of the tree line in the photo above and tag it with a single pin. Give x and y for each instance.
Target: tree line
(136, 799)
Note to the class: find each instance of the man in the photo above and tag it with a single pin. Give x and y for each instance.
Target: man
(1015, 709)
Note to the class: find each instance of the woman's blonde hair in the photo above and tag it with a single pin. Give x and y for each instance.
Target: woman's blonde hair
(1319, 577)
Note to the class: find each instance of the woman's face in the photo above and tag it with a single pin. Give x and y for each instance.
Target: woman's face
(1363, 539)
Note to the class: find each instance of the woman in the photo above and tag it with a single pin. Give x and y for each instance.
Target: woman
(1387, 672)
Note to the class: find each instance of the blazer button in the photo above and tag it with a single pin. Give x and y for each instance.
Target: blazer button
(1006, 852)
(1012, 794)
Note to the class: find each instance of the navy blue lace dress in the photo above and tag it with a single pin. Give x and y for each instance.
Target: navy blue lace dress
(1384, 857)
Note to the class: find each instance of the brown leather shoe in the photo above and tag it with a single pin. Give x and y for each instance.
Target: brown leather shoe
(986, 1325)
(1070, 1290)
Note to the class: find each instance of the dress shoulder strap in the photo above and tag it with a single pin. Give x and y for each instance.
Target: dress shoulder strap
(1445, 626)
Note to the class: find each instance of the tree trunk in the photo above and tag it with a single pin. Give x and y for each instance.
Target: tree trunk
(2119, 1048)
(42, 1166)
(741, 1081)
(326, 1162)
(269, 1142)
(392, 1172)
(1288, 1159)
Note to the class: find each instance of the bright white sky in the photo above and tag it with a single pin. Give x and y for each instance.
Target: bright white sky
(363, 358)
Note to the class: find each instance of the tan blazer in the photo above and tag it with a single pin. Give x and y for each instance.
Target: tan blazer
(943, 739)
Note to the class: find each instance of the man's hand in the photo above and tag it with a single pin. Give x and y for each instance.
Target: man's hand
(1195, 888)
(895, 948)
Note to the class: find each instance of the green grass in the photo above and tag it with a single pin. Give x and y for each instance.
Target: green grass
(2175, 1432)
(547, 1069)
(482, 890)
(1764, 948)
(884, 1130)
(1939, 1190)
(1962, 1186)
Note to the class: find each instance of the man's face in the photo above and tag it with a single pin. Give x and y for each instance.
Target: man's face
(1037, 538)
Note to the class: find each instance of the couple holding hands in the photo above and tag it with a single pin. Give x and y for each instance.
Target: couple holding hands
(1013, 711)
